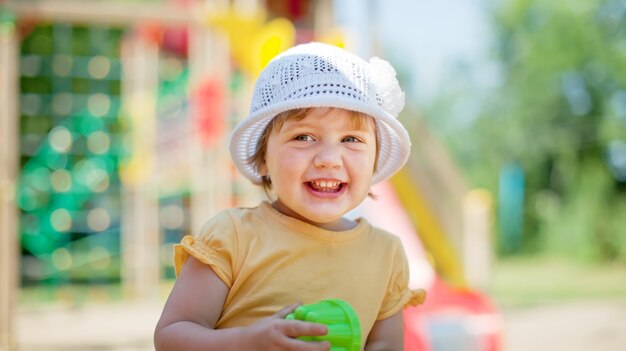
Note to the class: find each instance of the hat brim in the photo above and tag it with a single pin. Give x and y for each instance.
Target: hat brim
(393, 139)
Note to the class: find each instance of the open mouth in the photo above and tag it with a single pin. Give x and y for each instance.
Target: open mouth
(326, 186)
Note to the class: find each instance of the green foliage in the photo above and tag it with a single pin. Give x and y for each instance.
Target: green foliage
(578, 225)
(560, 105)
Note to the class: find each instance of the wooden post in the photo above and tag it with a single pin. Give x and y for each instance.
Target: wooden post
(9, 164)
(477, 250)
(210, 168)
(323, 19)
(102, 12)
(140, 230)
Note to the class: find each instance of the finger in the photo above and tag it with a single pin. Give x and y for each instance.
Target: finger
(296, 344)
(286, 310)
(294, 329)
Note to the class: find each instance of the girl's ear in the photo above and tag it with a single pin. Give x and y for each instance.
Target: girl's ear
(371, 194)
(262, 168)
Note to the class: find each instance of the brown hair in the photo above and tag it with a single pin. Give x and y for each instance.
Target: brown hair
(360, 121)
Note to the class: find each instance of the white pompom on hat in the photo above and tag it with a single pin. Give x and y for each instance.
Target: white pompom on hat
(322, 75)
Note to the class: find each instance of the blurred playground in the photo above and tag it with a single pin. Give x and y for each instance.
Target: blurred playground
(113, 123)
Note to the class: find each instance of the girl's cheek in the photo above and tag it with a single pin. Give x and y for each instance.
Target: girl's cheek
(291, 159)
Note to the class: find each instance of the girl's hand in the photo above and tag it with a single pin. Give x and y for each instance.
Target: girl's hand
(277, 333)
(193, 309)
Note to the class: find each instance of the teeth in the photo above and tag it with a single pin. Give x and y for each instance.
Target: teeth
(326, 184)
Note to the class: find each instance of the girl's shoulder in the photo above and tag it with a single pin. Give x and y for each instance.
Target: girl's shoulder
(381, 235)
(235, 214)
(231, 220)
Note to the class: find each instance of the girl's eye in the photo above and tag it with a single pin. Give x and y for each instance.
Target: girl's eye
(303, 137)
(350, 139)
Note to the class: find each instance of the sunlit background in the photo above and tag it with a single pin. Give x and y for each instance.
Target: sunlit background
(114, 117)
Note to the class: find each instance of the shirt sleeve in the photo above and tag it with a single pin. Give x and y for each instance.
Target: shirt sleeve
(398, 294)
(215, 245)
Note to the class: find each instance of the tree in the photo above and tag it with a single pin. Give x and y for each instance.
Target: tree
(560, 114)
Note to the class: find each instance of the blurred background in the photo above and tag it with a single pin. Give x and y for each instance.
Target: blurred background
(114, 117)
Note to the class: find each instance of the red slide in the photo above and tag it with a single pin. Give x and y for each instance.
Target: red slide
(451, 318)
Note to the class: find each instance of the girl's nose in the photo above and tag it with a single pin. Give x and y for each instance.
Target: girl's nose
(328, 156)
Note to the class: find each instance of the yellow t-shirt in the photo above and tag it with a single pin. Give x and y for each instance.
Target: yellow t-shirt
(269, 260)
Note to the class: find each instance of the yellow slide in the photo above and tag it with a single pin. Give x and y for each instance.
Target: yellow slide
(430, 231)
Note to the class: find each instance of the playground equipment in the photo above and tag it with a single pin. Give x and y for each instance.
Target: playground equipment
(101, 86)
(121, 125)
(68, 185)
(453, 221)
(454, 315)
(8, 173)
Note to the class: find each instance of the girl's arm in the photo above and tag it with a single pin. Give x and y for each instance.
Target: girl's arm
(194, 306)
(387, 334)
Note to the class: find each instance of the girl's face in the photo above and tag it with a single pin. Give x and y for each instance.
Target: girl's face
(321, 166)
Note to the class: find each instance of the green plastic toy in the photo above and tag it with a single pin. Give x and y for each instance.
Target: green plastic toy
(344, 329)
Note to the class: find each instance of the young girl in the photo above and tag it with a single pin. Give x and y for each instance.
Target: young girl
(322, 129)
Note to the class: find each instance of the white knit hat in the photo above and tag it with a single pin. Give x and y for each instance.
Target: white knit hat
(322, 75)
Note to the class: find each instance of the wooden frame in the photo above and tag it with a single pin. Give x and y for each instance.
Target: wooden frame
(9, 165)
